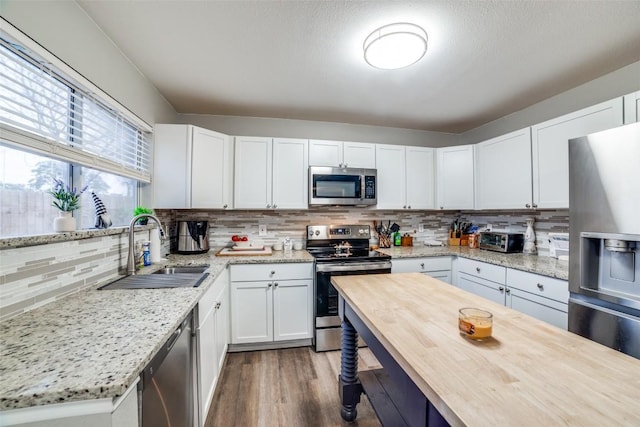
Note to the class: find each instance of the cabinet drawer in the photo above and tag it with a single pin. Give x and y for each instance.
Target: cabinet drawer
(247, 273)
(544, 286)
(420, 265)
(495, 273)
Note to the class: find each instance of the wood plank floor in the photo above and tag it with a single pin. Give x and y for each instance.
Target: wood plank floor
(294, 387)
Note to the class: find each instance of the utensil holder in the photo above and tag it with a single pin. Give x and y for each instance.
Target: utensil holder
(384, 241)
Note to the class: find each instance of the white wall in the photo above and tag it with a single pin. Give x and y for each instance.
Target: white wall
(256, 126)
(618, 83)
(65, 30)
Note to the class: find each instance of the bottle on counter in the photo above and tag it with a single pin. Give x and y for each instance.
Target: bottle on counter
(397, 239)
(146, 253)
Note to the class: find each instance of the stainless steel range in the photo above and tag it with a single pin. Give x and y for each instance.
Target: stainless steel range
(338, 250)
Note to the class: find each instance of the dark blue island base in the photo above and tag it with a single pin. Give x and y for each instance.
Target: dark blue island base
(395, 398)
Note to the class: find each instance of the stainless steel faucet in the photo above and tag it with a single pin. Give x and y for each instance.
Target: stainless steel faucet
(131, 263)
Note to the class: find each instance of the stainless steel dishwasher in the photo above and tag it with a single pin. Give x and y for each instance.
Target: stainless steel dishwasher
(168, 381)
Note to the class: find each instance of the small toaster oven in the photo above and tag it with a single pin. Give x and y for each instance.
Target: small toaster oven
(501, 241)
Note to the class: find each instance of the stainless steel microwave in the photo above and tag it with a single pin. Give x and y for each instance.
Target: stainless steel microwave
(342, 186)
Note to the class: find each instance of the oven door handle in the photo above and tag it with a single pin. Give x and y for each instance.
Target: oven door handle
(366, 267)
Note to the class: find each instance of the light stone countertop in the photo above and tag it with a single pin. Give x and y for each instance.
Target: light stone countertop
(94, 344)
(543, 265)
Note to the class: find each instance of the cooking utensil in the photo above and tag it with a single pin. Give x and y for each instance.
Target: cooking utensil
(395, 228)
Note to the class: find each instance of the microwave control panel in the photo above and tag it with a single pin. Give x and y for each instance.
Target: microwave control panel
(369, 187)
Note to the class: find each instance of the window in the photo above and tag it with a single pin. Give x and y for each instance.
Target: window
(53, 127)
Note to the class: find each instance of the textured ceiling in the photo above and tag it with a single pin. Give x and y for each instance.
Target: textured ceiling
(303, 59)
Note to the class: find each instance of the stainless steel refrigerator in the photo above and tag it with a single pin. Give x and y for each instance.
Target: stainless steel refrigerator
(604, 238)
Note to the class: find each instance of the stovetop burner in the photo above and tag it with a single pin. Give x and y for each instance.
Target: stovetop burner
(344, 243)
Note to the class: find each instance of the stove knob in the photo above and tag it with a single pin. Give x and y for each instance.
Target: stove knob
(317, 232)
(310, 233)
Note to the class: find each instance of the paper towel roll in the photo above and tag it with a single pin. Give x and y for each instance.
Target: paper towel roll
(154, 247)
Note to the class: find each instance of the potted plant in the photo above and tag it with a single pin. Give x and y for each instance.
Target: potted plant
(142, 210)
(66, 200)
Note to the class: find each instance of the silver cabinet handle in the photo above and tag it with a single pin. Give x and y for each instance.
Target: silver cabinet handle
(409, 206)
(269, 284)
(501, 288)
(272, 272)
(477, 269)
(535, 206)
(224, 207)
(268, 206)
(218, 304)
(275, 206)
(404, 207)
(527, 205)
(422, 265)
(275, 284)
(508, 290)
(540, 286)
(441, 207)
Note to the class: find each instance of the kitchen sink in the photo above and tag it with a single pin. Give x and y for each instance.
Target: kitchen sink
(168, 277)
(199, 269)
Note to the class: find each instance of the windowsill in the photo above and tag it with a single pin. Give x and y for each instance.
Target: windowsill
(43, 239)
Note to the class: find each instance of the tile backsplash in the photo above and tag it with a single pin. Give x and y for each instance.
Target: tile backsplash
(32, 276)
(291, 223)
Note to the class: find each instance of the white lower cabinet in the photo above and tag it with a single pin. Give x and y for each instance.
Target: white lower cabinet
(436, 267)
(213, 339)
(542, 297)
(271, 302)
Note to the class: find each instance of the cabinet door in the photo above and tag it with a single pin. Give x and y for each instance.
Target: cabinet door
(359, 155)
(251, 312)
(290, 173)
(222, 325)
(632, 108)
(455, 177)
(253, 166)
(503, 172)
(420, 177)
(208, 366)
(210, 170)
(325, 153)
(172, 166)
(544, 309)
(391, 178)
(292, 310)
(550, 142)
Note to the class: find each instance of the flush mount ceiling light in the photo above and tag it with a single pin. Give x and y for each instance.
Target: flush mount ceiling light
(395, 46)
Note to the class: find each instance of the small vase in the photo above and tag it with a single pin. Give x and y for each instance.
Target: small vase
(64, 222)
(530, 239)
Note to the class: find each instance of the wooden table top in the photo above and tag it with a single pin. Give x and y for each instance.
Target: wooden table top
(528, 373)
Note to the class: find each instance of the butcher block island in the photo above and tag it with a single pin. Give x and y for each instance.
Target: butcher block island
(527, 373)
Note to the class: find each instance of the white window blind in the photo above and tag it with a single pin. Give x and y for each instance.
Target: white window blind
(49, 114)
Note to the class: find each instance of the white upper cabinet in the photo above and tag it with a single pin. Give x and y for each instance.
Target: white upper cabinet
(211, 171)
(550, 149)
(391, 181)
(632, 108)
(503, 172)
(290, 174)
(253, 169)
(359, 155)
(420, 172)
(342, 154)
(455, 177)
(192, 168)
(406, 177)
(271, 173)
